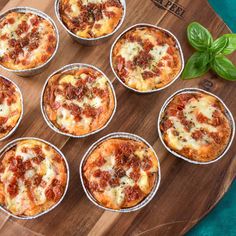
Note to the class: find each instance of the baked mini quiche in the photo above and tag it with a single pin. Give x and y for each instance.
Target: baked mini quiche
(10, 107)
(146, 58)
(26, 40)
(91, 18)
(78, 101)
(195, 125)
(120, 172)
(33, 178)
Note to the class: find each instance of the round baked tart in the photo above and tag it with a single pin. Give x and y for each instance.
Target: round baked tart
(120, 172)
(34, 177)
(146, 58)
(29, 39)
(196, 126)
(78, 100)
(90, 19)
(11, 107)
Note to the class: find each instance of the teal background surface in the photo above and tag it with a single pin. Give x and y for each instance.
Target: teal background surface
(221, 221)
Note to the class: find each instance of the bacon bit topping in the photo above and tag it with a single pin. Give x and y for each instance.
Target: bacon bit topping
(105, 175)
(27, 165)
(90, 111)
(34, 21)
(148, 46)
(132, 193)
(165, 125)
(109, 14)
(146, 163)
(148, 74)
(51, 38)
(172, 111)
(12, 188)
(114, 182)
(102, 93)
(58, 192)
(93, 186)
(11, 21)
(17, 166)
(119, 172)
(100, 161)
(1, 168)
(201, 118)
(216, 121)
(216, 137)
(3, 120)
(97, 173)
(170, 50)
(38, 159)
(143, 59)
(186, 123)
(37, 180)
(135, 175)
(49, 194)
(103, 183)
(197, 134)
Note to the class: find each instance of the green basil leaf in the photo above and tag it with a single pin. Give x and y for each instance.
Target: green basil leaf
(219, 45)
(199, 37)
(224, 67)
(231, 47)
(197, 65)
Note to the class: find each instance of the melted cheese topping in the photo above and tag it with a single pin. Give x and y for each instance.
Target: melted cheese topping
(120, 183)
(202, 128)
(32, 178)
(84, 101)
(10, 106)
(26, 40)
(91, 18)
(146, 58)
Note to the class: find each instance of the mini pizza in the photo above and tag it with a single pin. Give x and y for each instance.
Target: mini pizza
(146, 58)
(91, 18)
(78, 101)
(26, 40)
(10, 107)
(120, 172)
(195, 125)
(33, 178)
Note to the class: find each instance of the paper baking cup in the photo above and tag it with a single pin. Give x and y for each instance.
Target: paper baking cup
(74, 67)
(227, 112)
(12, 144)
(89, 41)
(22, 110)
(40, 68)
(161, 29)
(123, 135)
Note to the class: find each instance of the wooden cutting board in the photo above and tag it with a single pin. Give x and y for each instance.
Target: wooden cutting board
(187, 192)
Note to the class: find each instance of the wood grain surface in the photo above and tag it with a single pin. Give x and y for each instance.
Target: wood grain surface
(187, 192)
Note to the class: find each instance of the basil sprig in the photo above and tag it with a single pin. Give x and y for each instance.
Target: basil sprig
(210, 54)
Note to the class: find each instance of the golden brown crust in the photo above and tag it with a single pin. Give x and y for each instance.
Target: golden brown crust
(195, 125)
(33, 178)
(120, 172)
(92, 18)
(78, 101)
(146, 58)
(10, 106)
(27, 41)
